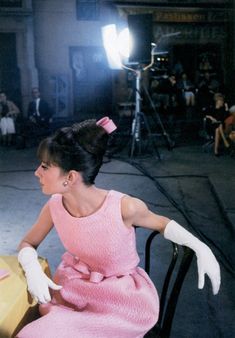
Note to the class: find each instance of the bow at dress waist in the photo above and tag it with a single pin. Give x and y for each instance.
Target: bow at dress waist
(81, 267)
(84, 271)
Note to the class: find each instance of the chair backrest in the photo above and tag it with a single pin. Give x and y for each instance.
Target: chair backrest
(169, 295)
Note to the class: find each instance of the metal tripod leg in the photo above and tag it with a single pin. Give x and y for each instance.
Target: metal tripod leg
(137, 138)
(135, 131)
(150, 136)
(169, 142)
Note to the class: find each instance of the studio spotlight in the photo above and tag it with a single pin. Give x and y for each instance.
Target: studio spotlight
(117, 45)
(130, 45)
(132, 49)
(109, 36)
(125, 43)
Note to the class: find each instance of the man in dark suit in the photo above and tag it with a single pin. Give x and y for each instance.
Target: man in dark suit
(38, 123)
(39, 111)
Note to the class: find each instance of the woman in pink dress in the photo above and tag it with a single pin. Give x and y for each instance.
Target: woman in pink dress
(98, 290)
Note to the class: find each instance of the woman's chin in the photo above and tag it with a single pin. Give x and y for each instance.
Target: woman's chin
(45, 191)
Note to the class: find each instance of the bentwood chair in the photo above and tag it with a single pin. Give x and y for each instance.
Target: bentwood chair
(171, 287)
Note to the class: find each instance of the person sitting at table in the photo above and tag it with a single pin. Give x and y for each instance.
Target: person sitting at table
(216, 121)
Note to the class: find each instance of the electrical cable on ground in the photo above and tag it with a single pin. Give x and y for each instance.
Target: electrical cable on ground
(226, 263)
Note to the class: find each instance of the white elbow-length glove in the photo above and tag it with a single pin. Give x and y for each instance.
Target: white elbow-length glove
(37, 281)
(206, 261)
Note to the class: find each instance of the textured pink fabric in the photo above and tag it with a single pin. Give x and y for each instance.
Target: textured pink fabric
(105, 294)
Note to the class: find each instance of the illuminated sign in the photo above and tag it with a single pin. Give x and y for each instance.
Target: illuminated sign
(193, 15)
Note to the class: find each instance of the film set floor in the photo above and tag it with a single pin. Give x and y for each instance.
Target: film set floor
(193, 187)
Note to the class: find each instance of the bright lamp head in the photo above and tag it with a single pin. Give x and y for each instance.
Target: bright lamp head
(125, 43)
(117, 45)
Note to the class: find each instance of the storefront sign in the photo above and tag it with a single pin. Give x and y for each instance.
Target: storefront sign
(192, 15)
(191, 32)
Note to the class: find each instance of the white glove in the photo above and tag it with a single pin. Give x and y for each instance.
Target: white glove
(37, 280)
(206, 261)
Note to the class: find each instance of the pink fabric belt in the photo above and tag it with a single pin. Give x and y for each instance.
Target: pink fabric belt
(85, 272)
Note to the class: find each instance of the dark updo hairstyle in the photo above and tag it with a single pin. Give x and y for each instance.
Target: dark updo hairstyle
(80, 147)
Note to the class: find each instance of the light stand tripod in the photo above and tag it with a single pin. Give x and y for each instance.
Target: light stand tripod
(169, 142)
(138, 120)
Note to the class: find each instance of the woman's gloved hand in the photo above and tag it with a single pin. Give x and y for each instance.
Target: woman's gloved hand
(37, 280)
(206, 261)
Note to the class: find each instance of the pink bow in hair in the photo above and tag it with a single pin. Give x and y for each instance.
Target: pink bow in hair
(107, 124)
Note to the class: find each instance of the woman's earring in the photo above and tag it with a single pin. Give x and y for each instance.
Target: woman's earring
(65, 183)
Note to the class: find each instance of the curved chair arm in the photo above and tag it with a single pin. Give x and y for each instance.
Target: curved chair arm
(167, 309)
(174, 295)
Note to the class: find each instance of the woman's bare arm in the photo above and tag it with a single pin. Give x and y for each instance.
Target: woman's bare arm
(39, 230)
(136, 212)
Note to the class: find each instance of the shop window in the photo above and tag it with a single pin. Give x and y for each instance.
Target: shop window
(59, 89)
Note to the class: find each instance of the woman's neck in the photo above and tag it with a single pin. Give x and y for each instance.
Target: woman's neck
(84, 201)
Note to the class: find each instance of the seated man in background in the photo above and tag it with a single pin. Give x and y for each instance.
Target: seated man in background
(39, 119)
(39, 112)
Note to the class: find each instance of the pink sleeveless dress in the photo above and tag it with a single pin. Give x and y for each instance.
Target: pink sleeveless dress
(105, 294)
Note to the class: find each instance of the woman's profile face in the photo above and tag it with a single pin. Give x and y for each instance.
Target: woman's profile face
(51, 178)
